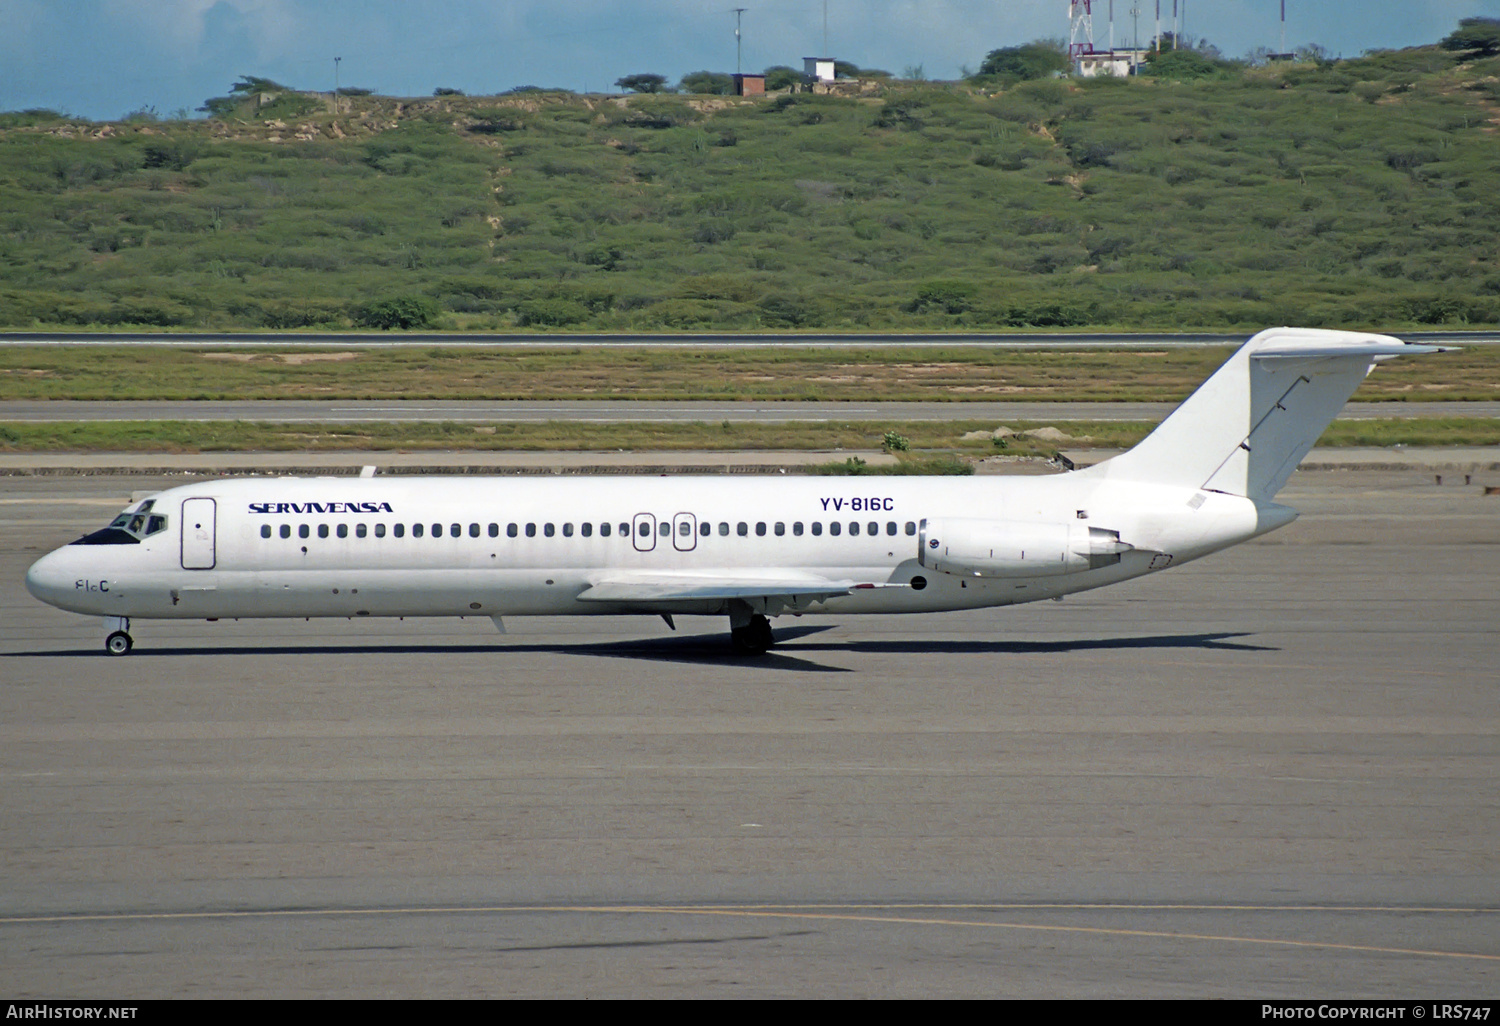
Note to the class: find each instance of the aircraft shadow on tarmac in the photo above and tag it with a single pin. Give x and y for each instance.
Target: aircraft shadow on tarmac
(790, 653)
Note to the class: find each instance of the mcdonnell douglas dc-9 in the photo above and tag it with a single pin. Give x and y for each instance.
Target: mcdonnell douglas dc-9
(748, 549)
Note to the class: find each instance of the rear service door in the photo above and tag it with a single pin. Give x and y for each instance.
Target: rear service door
(198, 534)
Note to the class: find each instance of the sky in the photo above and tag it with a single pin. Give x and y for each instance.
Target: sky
(102, 59)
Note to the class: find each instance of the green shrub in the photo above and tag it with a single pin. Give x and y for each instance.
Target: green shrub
(1184, 65)
(550, 313)
(710, 82)
(402, 312)
(948, 296)
(1020, 63)
(1475, 38)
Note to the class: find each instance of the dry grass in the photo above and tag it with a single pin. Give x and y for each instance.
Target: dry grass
(929, 439)
(959, 374)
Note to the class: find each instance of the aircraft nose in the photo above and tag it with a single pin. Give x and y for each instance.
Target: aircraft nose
(48, 579)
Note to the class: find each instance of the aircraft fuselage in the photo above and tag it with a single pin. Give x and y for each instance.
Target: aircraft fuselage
(506, 546)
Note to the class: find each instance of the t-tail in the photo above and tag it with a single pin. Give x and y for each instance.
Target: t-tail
(1244, 431)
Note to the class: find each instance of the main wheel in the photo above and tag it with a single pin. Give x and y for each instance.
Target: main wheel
(753, 638)
(118, 643)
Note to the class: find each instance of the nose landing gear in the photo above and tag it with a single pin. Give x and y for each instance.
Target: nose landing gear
(118, 642)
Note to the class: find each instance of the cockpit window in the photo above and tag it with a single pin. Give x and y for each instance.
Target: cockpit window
(128, 528)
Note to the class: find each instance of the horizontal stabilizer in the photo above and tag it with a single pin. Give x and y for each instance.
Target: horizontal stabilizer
(1301, 349)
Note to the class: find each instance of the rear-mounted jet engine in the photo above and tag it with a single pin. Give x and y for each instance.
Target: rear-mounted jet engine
(1009, 548)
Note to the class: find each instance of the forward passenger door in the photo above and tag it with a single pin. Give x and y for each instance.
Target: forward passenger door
(198, 534)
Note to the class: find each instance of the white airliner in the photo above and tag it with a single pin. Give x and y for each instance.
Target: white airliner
(748, 548)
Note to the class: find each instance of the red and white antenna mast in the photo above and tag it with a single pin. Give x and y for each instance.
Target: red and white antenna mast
(1080, 27)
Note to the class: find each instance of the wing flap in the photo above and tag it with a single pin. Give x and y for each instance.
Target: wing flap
(635, 588)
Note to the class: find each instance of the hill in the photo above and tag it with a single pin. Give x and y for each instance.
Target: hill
(1361, 193)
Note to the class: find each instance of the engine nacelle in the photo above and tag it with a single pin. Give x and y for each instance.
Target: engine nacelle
(1011, 548)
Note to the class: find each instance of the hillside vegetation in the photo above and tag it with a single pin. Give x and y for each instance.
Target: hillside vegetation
(1362, 193)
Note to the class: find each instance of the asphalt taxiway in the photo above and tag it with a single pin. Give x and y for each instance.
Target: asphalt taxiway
(1270, 773)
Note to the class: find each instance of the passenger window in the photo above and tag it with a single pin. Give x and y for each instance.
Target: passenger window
(817, 527)
(833, 528)
(286, 530)
(797, 528)
(705, 528)
(380, 530)
(457, 531)
(567, 530)
(416, 530)
(322, 530)
(645, 529)
(494, 530)
(760, 529)
(780, 529)
(684, 528)
(890, 528)
(604, 530)
(549, 530)
(473, 530)
(437, 530)
(302, 531)
(531, 530)
(911, 527)
(342, 531)
(511, 530)
(854, 527)
(265, 530)
(664, 529)
(586, 529)
(399, 530)
(723, 530)
(742, 529)
(360, 530)
(872, 528)
(624, 530)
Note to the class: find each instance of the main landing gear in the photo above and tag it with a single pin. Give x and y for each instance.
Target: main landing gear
(752, 636)
(118, 642)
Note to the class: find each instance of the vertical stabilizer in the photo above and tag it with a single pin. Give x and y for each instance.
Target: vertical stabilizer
(1248, 426)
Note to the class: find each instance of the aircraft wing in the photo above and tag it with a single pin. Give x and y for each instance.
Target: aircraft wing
(787, 587)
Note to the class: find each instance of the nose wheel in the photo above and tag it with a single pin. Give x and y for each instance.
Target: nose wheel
(118, 642)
